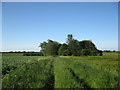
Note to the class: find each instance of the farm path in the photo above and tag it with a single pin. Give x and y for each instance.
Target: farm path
(64, 73)
(79, 80)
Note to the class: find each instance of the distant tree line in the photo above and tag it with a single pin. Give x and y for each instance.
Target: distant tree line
(32, 54)
(109, 51)
(72, 47)
(24, 53)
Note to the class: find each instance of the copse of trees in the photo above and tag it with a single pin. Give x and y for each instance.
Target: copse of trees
(72, 47)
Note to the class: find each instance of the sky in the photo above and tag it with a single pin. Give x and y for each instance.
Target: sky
(60, 0)
(27, 24)
(0, 26)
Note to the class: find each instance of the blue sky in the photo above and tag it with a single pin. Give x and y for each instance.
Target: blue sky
(26, 25)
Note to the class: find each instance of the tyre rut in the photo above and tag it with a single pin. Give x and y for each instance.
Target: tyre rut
(79, 80)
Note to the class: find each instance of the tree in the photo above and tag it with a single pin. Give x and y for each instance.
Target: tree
(68, 52)
(52, 48)
(87, 44)
(69, 38)
(43, 47)
(100, 52)
(73, 46)
(62, 49)
(86, 52)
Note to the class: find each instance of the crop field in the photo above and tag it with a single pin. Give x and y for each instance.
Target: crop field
(60, 72)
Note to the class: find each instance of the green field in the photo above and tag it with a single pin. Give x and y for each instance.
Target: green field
(60, 72)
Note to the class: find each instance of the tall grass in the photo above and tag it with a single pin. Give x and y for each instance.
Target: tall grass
(61, 72)
(63, 78)
(33, 74)
(96, 73)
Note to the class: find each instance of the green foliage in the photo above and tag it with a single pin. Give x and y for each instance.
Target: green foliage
(85, 52)
(52, 48)
(89, 52)
(68, 52)
(43, 47)
(72, 48)
(62, 49)
(100, 52)
(87, 44)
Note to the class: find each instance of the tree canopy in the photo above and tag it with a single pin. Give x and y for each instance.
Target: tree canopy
(72, 47)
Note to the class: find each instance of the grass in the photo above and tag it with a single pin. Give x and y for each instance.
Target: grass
(94, 75)
(63, 78)
(33, 74)
(61, 72)
(12, 62)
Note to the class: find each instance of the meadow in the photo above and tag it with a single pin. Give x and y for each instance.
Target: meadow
(60, 72)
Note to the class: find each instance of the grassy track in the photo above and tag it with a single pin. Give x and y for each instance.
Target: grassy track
(60, 72)
(63, 78)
